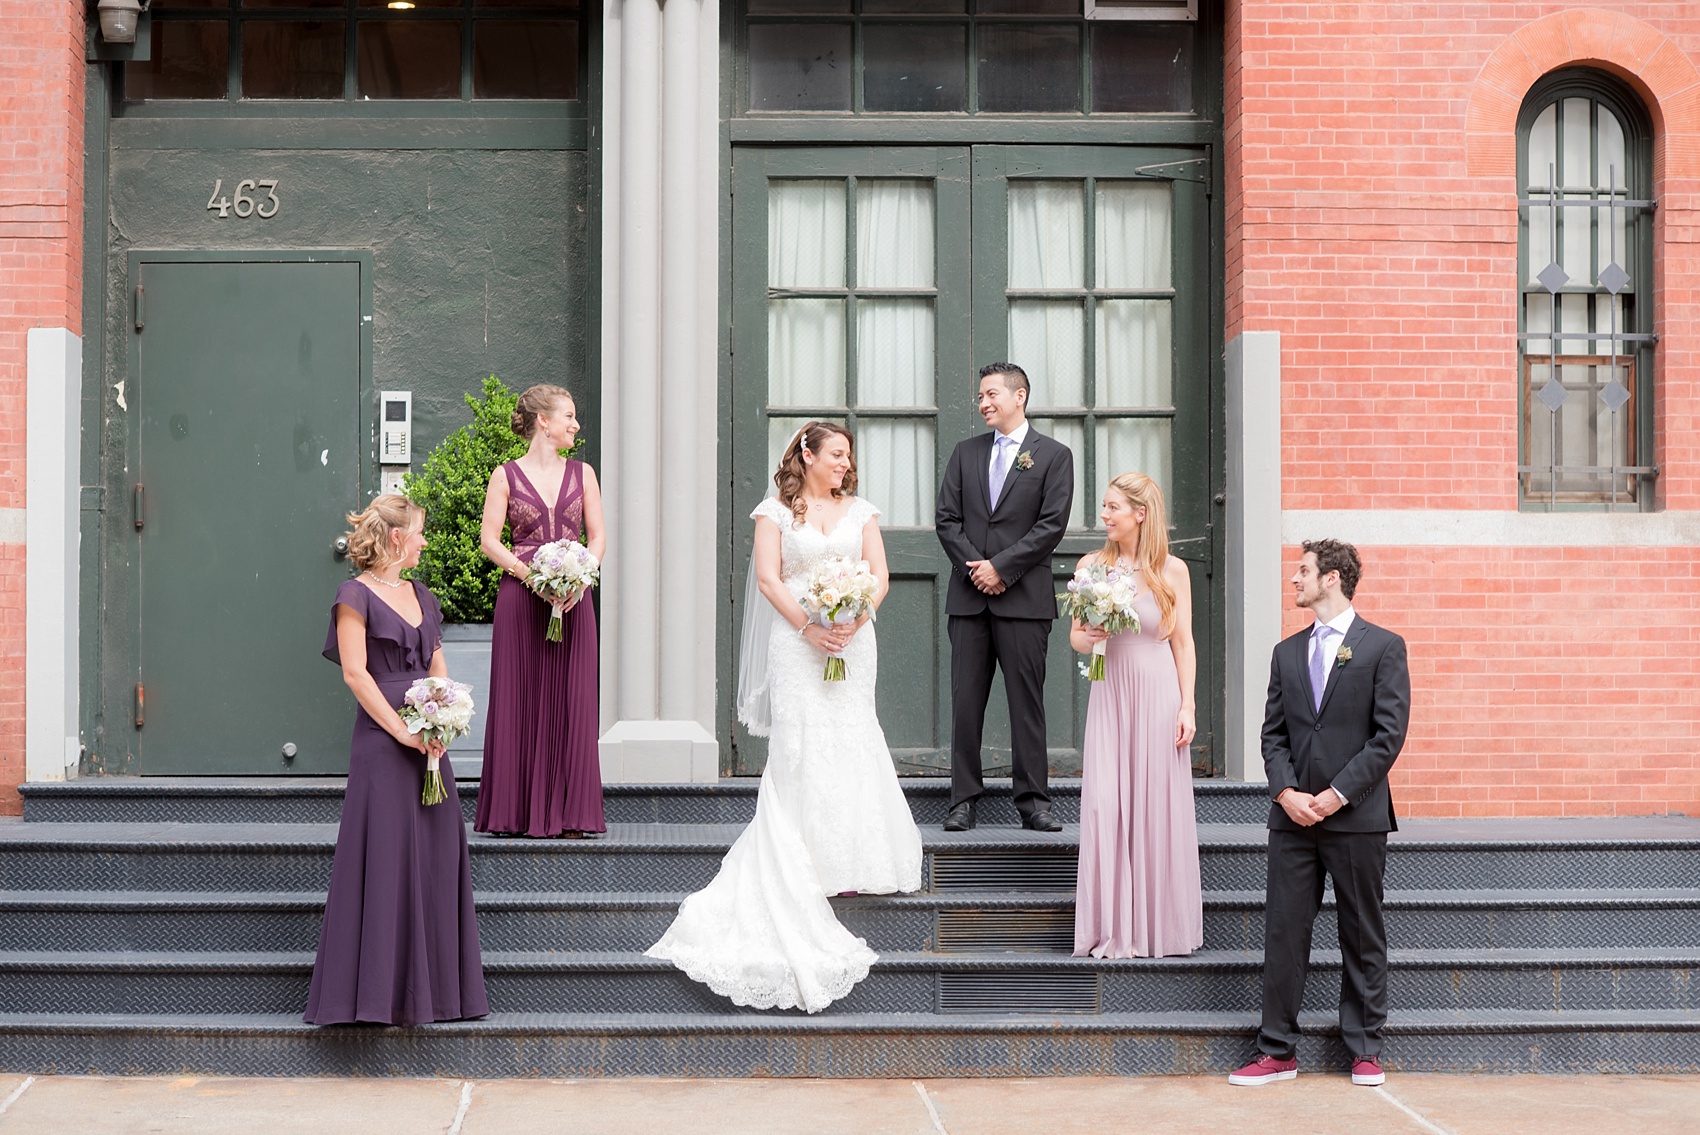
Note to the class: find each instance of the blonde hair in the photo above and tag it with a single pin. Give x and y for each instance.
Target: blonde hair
(1153, 551)
(370, 528)
(539, 399)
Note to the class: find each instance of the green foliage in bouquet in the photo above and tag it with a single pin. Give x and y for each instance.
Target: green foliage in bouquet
(450, 488)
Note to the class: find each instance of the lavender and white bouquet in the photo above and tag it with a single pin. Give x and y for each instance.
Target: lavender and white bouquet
(560, 572)
(1102, 596)
(839, 591)
(439, 710)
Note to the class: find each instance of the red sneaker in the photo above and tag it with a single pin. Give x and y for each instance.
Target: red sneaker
(1366, 1072)
(1264, 1070)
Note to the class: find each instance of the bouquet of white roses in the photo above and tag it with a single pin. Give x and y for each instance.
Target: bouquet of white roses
(839, 591)
(437, 710)
(1102, 596)
(560, 571)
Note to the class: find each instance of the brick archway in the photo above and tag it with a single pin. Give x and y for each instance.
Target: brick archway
(1635, 51)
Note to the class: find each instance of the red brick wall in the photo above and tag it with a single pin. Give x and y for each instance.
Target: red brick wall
(41, 200)
(1372, 221)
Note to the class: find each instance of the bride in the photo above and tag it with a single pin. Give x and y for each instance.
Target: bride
(830, 817)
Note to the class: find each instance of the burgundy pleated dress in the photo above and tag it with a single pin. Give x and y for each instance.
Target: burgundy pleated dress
(542, 775)
(399, 944)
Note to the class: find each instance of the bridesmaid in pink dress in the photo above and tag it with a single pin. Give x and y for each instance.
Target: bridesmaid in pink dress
(1138, 894)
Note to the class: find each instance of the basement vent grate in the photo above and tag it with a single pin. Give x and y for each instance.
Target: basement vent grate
(1017, 992)
(1004, 871)
(1018, 931)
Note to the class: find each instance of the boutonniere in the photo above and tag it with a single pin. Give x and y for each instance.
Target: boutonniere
(1343, 657)
(1024, 459)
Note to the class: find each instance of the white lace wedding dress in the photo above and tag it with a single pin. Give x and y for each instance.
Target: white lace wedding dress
(830, 818)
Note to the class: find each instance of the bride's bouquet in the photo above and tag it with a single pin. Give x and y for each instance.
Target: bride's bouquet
(839, 591)
(437, 710)
(1102, 596)
(560, 571)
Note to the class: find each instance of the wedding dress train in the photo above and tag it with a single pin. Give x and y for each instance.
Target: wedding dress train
(830, 817)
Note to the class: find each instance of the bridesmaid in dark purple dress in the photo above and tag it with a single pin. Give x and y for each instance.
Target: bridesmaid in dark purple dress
(399, 945)
(542, 775)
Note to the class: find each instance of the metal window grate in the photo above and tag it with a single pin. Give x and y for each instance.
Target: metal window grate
(1012, 931)
(1019, 992)
(1004, 871)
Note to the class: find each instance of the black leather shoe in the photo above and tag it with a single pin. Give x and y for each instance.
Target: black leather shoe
(1041, 821)
(960, 818)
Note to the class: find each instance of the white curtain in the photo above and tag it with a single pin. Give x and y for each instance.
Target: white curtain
(894, 460)
(805, 249)
(1134, 445)
(894, 233)
(1072, 433)
(1133, 223)
(805, 234)
(805, 352)
(1134, 360)
(1047, 249)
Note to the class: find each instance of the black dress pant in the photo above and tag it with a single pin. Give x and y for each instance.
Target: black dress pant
(980, 644)
(1357, 862)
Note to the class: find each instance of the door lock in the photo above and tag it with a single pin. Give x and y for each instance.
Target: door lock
(289, 750)
(340, 546)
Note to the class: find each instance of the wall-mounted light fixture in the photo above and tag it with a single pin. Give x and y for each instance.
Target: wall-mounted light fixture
(118, 19)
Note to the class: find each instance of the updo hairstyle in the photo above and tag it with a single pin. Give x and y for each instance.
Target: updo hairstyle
(788, 478)
(369, 534)
(539, 399)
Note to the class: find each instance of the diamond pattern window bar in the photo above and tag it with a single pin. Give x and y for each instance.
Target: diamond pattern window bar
(1581, 310)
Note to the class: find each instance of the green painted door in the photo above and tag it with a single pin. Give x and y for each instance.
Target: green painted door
(870, 284)
(247, 412)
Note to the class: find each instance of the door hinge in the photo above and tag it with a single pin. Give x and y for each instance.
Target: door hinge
(138, 507)
(141, 705)
(139, 319)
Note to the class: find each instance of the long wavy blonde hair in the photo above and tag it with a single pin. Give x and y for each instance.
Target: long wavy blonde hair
(1152, 553)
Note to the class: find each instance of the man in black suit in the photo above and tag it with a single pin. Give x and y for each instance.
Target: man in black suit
(1002, 510)
(1339, 705)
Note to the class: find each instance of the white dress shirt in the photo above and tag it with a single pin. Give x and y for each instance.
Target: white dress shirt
(1330, 646)
(1019, 435)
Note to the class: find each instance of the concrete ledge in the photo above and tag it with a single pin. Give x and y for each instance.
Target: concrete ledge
(659, 752)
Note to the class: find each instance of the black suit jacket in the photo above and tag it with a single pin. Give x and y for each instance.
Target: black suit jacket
(1018, 536)
(1352, 741)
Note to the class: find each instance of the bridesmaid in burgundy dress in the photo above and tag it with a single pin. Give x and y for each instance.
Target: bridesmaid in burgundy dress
(542, 775)
(399, 944)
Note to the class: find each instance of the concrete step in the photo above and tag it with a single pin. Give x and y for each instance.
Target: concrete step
(318, 800)
(942, 921)
(619, 982)
(1424, 855)
(830, 1044)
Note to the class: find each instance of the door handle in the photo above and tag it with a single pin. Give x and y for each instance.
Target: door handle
(340, 546)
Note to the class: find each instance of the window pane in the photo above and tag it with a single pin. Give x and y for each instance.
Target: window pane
(805, 352)
(190, 60)
(1134, 359)
(1031, 7)
(894, 352)
(1612, 228)
(1047, 339)
(904, 7)
(1133, 234)
(799, 6)
(805, 234)
(525, 59)
(1575, 158)
(1537, 317)
(1585, 431)
(1141, 67)
(1128, 445)
(290, 4)
(1072, 433)
(894, 465)
(914, 67)
(404, 59)
(565, 5)
(1047, 234)
(779, 433)
(290, 60)
(1029, 69)
(894, 234)
(1576, 240)
(800, 67)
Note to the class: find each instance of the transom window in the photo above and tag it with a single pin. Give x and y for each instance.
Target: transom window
(361, 50)
(1586, 295)
(964, 56)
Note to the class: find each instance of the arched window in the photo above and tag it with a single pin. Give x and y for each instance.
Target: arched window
(1585, 244)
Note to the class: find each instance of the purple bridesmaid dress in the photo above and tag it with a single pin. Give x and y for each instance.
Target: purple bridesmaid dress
(399, 945)
(1138, 894)
(542, 775)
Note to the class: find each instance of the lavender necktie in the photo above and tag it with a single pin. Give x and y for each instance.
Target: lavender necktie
(1319, 663)
(1000, 467)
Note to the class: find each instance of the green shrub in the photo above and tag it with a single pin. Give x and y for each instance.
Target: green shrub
(450, 488)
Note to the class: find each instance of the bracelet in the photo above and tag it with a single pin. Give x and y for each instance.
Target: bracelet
(806, 625)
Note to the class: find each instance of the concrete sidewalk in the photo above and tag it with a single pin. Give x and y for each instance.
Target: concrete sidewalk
(1315, 1103)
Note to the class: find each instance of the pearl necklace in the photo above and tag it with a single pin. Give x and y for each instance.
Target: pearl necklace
(384, 581)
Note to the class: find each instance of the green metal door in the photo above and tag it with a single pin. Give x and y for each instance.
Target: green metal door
(247, 433)
(1086, 265)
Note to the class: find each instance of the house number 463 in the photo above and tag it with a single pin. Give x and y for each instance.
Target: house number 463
(242, 204)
